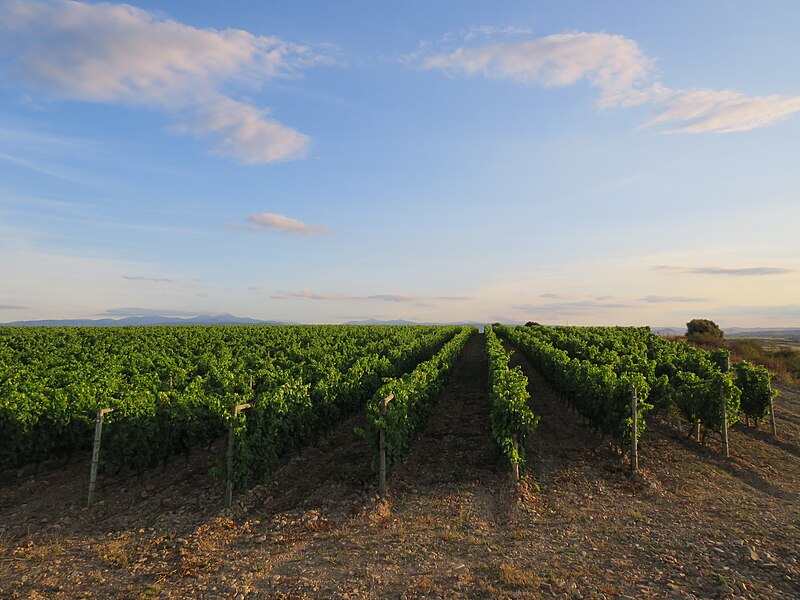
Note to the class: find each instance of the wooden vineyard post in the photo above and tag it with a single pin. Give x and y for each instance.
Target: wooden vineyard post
(725, 409)
(634, 431)
(515, 465)
(98, 433)
(772, 412)
(724, 422)
(231, 442)
(382, 449)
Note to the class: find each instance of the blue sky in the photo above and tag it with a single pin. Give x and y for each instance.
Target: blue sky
(590, 163)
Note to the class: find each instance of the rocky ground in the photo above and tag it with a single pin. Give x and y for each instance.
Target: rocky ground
(454, 525)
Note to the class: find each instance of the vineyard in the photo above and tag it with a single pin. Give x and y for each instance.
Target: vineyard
(170, 390)
(299, 414)
(597, 369)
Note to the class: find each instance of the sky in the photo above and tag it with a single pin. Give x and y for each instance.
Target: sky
(629, 162)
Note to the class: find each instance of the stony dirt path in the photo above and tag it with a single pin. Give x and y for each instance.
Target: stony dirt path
(453, 526)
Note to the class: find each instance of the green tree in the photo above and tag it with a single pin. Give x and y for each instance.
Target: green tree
(704, 331)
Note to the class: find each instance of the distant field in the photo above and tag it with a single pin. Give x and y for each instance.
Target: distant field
(775, 343)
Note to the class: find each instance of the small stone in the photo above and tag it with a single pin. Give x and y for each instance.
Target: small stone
(753, 554)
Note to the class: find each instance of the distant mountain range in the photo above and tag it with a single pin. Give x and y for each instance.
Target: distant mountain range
(222, 319)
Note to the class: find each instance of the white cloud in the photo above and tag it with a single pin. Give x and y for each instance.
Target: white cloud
(612, 63)
(121, 54)
(622, 73)
(720, 111)
(272, 221)
(245, 133)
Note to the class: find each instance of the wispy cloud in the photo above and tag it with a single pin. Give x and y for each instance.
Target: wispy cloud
(393, 298)
(280, 223)
(245, 132)
(777, 314)
(745, 272)
(623, 75)
(569, 308)
(13, 307)
(729, 271)
(46, 168)
(717, 111)
(143, 278)
(125, 55)
(484, 31)
(612, 63)
(311, 295)
(668, 299)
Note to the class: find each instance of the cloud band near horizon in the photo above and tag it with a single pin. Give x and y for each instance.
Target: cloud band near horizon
(728, 271)
(393, 298)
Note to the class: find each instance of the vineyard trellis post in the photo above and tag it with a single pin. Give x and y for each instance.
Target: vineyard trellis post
(724, 403)
(98, 433)
(724, 422)
(382, 448)
(231, 442)
(634, 430)
(772, 412)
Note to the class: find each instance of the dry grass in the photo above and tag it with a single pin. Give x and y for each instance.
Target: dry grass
(146, 592)
(512, 576)
(784, 363)
(116, 553)
(47, 550)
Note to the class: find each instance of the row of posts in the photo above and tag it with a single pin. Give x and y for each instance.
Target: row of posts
(98, 431)
(724, 409)
(98, 436)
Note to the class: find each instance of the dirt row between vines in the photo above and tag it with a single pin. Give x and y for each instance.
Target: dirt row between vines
(453, 526)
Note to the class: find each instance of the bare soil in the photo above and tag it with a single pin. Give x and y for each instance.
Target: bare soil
(454, 525)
